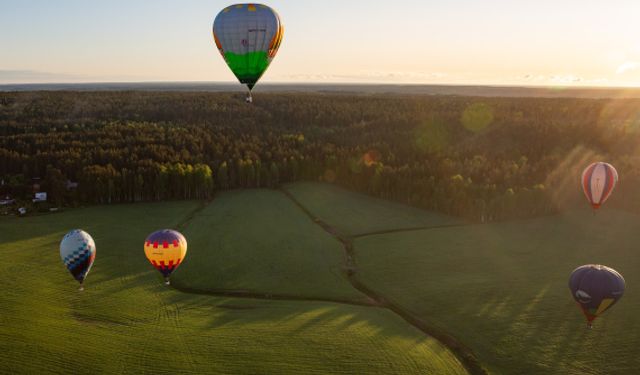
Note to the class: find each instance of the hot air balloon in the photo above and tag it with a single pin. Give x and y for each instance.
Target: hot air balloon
(166, 250)
(595, 288)
(78, 251)
(248, 37)
(598, 181)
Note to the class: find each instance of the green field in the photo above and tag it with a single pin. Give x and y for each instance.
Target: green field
(259, 241)
(355, 214)
(502, 289)
(126, 321)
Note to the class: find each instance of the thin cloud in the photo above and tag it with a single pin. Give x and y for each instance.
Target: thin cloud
(560, 79)
(14, 76)
(627, 66)
(33, 76)
(565, 79)
(372, 76)
(533, 78)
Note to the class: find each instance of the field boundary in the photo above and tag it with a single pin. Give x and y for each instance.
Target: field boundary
(247, 294)
(411, 229)
(192, 214)
(461, 351)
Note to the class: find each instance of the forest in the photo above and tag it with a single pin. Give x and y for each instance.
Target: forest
(483, 159)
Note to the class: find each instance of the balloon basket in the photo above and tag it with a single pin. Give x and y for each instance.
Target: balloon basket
(167, 282)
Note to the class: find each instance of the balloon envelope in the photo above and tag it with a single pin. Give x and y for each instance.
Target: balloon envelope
(165, 250)
(596, 288)
(248, 37)
(78, 251)
(598, 182)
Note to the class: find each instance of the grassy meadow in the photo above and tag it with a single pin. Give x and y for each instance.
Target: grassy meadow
(126, 321)
(353, 214)
(502, 289)
(259, 241)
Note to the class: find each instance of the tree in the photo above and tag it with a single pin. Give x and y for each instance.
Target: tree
(56, 185)
(223, 176)
(274, 175)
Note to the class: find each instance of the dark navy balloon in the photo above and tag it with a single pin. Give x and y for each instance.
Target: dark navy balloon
(596, 288)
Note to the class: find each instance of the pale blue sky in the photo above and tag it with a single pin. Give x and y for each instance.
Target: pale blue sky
(544, 42)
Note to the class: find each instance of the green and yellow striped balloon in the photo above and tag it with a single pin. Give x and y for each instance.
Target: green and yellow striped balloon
(248, 37)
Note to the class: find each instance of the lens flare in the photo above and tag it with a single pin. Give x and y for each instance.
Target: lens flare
(622, 115)
(477, 117)
(329, 176)
(432, 136)
(371, 157)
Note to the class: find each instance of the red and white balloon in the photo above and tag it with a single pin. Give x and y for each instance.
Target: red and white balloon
(598, 182)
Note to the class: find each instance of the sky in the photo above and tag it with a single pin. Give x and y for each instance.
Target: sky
(488, 42)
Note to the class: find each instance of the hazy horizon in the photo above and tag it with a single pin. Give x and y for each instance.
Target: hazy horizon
(317, 83)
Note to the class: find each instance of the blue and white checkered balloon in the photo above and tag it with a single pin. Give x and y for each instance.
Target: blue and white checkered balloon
(78, 251)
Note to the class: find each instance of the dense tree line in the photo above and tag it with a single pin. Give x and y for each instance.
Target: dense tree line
(480, 158)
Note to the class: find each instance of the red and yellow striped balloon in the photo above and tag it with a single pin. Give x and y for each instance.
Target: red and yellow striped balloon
(165, 250)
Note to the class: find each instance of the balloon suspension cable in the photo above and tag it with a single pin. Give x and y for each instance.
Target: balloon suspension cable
(167, 281)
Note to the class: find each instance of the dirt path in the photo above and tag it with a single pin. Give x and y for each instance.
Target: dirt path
(191, 215)
(410, 229)
(464, 353)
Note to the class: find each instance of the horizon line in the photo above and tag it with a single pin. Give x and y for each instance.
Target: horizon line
(345, 83)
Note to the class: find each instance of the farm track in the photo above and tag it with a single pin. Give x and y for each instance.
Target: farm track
(462, 352)
(409, 229)
(191, 215)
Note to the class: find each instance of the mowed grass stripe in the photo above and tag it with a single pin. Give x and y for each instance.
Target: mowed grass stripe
(502, 289)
